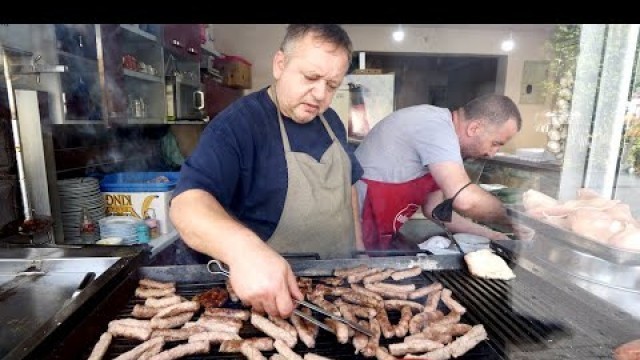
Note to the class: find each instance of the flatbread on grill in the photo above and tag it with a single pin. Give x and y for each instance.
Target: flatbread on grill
(485, 264)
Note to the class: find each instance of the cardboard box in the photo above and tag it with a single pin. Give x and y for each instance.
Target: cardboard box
(236, 72)
(140, 205)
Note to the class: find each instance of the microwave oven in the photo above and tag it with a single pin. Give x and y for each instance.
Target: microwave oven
(185, 99)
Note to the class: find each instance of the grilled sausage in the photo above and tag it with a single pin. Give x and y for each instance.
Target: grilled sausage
(183, 307)
(131, 322)
(233, 346)
(215, 337)
(306, 333)
(357, 310)
(285, 350)
(360, 299)
(227, 313)
(405, 274)
(357, 277)
(419, 321)
(383, 354)
(151, 352)
(386, 293)
(424, 291)
(402, 327)
(415, 346)
(154, 284)
(324, 304)
(180, 334)
(129, 331)
(360, 340)
(451, 303)
(344, 272)
(100, 348)
(135, 353)
(381, 276)
(341, 330)
(163, 301)
(218, 324)
(266, 326)
(171, 321)
(386, 327)
(144, 312)
(399, 304)
(359, 289)
(467, 341)
(250, 352)
(395, 287)
(432, 301)
(152, 292)
(372, 345)
(284, 324)
(191, 348)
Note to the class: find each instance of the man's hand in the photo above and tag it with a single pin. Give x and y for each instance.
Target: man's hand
(263, 279)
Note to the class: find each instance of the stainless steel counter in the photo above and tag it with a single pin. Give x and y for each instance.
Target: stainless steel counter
(36, 287)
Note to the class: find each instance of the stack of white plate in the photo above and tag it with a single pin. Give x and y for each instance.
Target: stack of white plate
(76, 195)
(120, 226)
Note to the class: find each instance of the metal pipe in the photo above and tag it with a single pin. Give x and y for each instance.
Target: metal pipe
(16, 137)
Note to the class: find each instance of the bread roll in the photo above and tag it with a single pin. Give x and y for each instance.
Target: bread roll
(485, 264)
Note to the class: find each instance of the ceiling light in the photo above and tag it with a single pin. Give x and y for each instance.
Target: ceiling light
(398, 35)
(508, 44)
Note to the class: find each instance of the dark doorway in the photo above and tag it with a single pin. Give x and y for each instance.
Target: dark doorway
(442, 80)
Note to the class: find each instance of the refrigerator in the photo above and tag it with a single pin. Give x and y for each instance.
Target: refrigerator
(363, 100)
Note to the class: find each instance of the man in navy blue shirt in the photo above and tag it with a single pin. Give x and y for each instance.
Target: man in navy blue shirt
(273, 174)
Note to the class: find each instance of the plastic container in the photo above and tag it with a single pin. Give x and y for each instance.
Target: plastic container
(142, 195)
(139, 182)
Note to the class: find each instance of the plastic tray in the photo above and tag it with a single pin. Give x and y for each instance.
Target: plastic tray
(578, 242)
(139, 182)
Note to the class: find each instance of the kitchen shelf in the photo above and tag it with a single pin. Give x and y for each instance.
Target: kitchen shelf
(142, 76)
(186, 122)
(137, 31)
(155, 121)
(77, 57)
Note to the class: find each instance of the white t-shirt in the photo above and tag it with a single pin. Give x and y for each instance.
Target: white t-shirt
(399, 147)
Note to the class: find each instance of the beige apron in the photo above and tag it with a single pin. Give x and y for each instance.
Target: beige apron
(317, 215)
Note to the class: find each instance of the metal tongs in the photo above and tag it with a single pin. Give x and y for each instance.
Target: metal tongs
(217, 267)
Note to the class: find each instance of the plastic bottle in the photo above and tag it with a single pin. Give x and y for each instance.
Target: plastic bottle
(88, 228)
(142, 233)
(152, 223)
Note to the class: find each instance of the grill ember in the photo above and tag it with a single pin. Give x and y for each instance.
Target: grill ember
(167, 321)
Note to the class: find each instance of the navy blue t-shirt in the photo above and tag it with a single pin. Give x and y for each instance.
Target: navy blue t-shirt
(240, 159)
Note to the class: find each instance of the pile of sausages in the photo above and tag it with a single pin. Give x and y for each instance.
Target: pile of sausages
(361, 294)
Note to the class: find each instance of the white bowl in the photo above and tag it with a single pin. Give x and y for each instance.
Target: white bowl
(110, 241)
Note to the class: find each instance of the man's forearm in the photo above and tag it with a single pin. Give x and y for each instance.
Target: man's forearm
(481, 206)
(202, 222)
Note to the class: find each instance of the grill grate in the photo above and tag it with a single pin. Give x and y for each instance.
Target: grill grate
(326, 344)
(525, 322)
(525, 318)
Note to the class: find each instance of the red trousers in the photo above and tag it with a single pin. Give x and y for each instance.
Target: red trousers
(388, 206)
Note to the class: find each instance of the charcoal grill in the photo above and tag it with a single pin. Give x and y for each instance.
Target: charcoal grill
(525, 318)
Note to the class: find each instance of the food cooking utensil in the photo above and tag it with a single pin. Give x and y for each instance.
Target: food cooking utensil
(216, 267)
